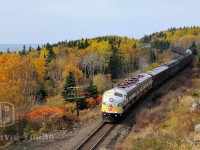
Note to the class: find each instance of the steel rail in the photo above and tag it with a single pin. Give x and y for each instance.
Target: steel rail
(90, 136)
(99, 141)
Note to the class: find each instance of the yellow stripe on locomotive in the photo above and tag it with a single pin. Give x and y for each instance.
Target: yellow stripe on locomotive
(114, 109)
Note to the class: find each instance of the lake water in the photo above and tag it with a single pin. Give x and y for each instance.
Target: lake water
(17, 47)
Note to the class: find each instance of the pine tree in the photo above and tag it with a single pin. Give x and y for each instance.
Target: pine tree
(24, 47)
(86, 43)
(193, 47)
(8, 51)
(30, 48)
(38, 48)
(91, 90)
(48, 46)
(69, 91)
(23, 51)
(115, 63)
(152, 56)
(51, 55)
(41, 94)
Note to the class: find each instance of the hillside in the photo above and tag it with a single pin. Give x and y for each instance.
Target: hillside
(172, 119)
(40, 82)
(181, 37)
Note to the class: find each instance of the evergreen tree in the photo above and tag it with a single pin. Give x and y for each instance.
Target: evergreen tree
(47, 77)
(8, 51)
(193, 47)
(86, 43)
(69, 91)
(41, 94)
(30, 48)
(23, 52)
(152, 56)
(115, 68)
(24, 48)
(38, 48)
(51, 55)
(91, 90)
(1, 53)
(82, 104)
(48, 46)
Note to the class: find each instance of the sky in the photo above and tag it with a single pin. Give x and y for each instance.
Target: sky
(42, 21)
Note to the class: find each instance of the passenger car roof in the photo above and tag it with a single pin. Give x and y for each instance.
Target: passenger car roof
(157, 70)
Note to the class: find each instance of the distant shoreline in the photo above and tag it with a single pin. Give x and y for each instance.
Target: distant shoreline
(17, 47)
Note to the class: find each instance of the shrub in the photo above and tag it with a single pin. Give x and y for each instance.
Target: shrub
(99, 99)
(91, 103)
(56, 122)
(36, 106)
(50, 118)
(153, 65)
(88, 114)
(187, 102)
(102, 82)
(56, 101)
(71, 107)
(44, 113)
(147, 116)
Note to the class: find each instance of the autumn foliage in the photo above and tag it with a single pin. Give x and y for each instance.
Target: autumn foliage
(45, 113)
(92, 102)
(50, 118)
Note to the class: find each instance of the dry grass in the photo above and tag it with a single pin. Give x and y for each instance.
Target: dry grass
(156, 141)
(147, 116)
(90, 114)
(187, 102)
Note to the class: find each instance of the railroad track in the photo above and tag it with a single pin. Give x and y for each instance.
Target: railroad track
(94, 139)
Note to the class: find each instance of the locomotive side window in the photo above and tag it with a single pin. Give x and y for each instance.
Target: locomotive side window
(118, 94)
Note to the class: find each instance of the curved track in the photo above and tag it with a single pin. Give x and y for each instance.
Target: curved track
(93, 140)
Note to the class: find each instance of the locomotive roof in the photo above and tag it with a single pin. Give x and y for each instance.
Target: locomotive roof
(116, 90)
(157, 70)
(132, 83)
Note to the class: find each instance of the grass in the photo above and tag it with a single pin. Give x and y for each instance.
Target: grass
(90, 114)
(159, 142)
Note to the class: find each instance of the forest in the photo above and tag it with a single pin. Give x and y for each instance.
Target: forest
(40, 82)
(180, 37)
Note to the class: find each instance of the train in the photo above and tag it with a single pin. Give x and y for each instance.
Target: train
(118, 100)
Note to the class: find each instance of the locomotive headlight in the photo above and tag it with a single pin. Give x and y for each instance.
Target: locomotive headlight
(111, 99)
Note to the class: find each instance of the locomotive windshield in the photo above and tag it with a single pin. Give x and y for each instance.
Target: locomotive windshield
(118, 94)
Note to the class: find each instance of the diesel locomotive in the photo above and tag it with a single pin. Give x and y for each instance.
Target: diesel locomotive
(118, 100)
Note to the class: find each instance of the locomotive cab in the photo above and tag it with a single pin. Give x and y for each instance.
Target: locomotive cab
(112, 105)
